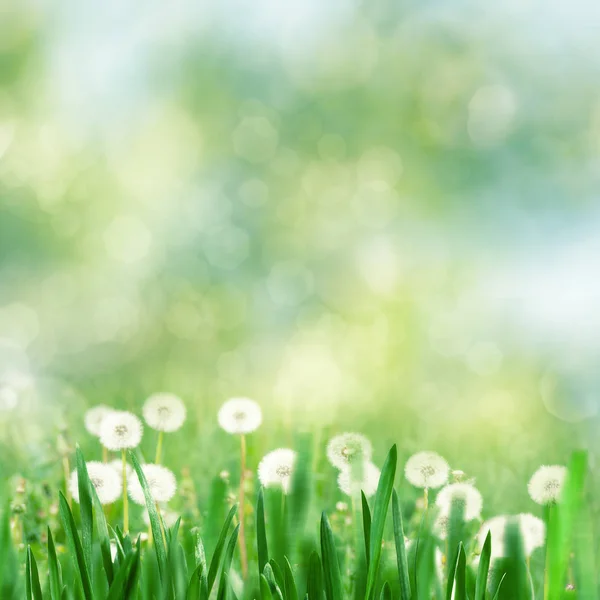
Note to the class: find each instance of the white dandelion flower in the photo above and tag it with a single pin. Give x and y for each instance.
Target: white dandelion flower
(93, 418)
(169, 517)
(120, 430)
(470, 495)
(533, 533)
(161, 482)
(545, 486)
(348, 448)
(276, 469)
(240, 416)
(103, 478)
(164, 412)
(351, 480)
(440, 526)
(533, 530)
(427, 470)
(117, 466)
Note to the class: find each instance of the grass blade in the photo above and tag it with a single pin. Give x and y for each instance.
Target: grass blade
(34, 589)
(314, 579)
(382, 500)
(54, 570)
(74, 546)
(216, 558)
(366, 518)
(401, 559)
(159, 545)
(290, 589)
(386, 592)
(460, 575)
(85, 509)
(261, 532)
(484, 568)
(331, 567)
(227, 560)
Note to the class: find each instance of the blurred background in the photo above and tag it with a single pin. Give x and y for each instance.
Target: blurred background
(379, 216)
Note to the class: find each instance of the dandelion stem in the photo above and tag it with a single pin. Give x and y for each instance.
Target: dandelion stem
(243, 552)
(159, 446)
(104, 454)
(160, 521)
(67, 473)
(125, 499)
(426, 498)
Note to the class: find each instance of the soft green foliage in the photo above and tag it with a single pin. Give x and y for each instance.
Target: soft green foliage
(185, 576)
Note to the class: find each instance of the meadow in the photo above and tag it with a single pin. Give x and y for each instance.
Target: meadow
(318, 519)
(376, 220)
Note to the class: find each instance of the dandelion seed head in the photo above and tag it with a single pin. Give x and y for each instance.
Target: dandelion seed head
(161, 482)
(276, 469)
(533, 532)
(427, 470)
(440, 526)
(545, 486)
(94, 416)
(103, 478)
(164, 412)
(470, 495)
(120, 430)
(240, 416)
(348, 448)
(352, 481)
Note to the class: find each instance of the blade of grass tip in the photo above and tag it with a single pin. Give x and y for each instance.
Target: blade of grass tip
(261, 532)
(386, 592)
(265, 588)
(216, 558)
(198, 587)
(227, 560)
(54, 570)
(382, 500)
(277, 573)
(34, 589)
(366, 519)
(314, 579)
(271, 578)
(331, 567)
(85, 509)
(401, 558)
(497, 594)
(455, 539)
(300, 493)
(291, 591)
(159, 545)
(74, 546)
(460, 575)
(484, 568)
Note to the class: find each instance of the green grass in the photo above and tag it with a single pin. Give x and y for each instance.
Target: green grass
(316, 563)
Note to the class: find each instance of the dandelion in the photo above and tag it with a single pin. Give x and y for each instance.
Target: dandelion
(427, 470)
(533, 532)
(121, 430)
(104, 479)
(545, 486)
(94, 416)
(366, 479)
(240, 416)
(161, 482)
(276, 468)
(441, 525)
(348, 448)
(166, 413)
(469, 494)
